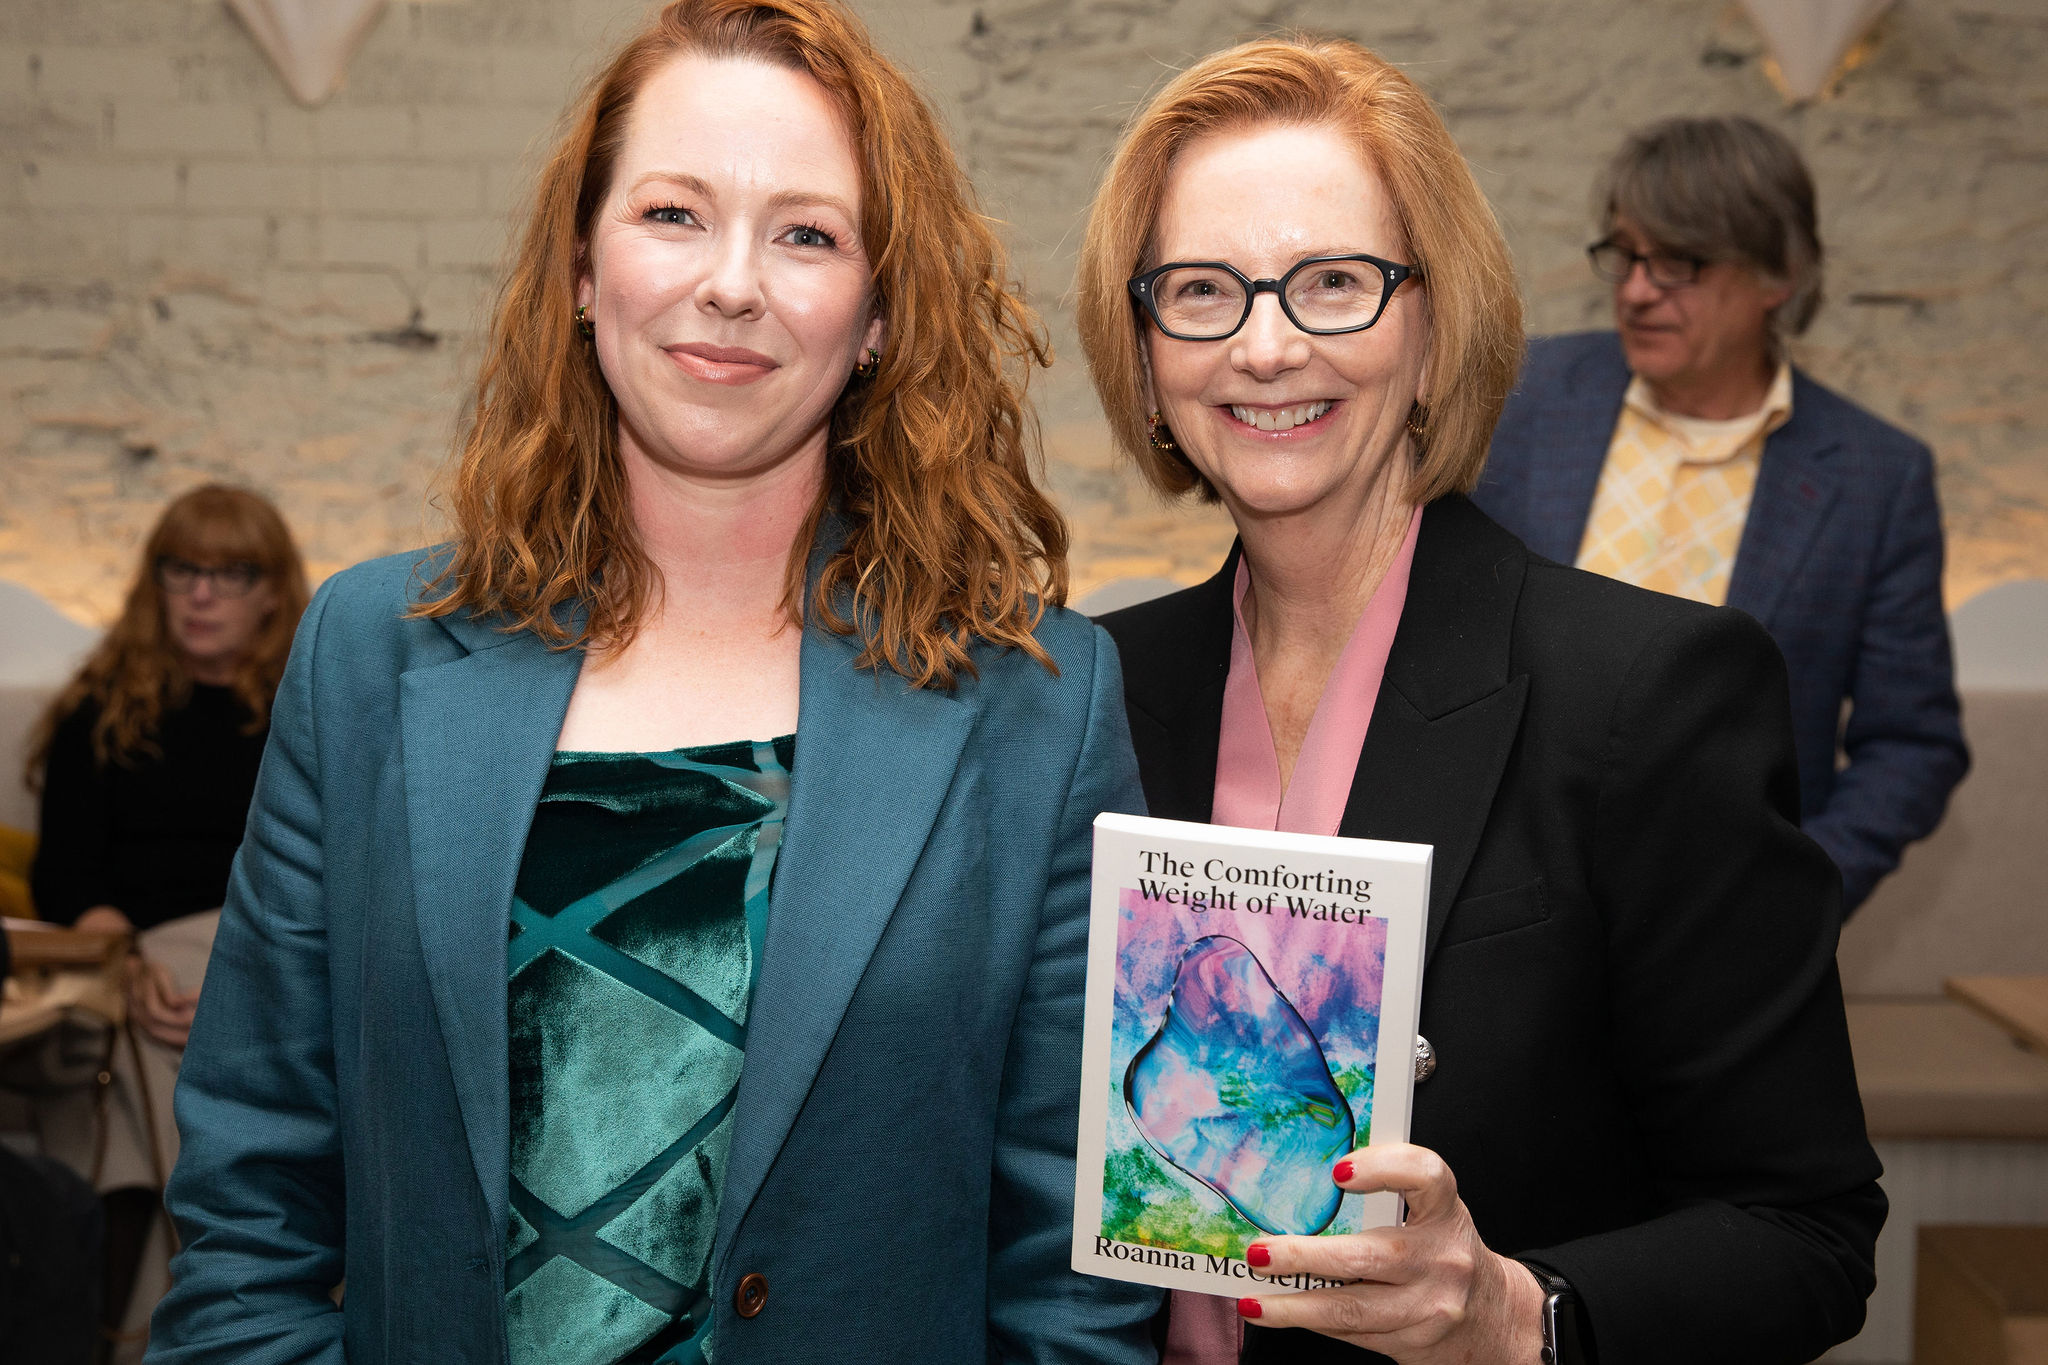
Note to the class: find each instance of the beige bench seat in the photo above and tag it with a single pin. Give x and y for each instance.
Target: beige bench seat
(1935, 1068)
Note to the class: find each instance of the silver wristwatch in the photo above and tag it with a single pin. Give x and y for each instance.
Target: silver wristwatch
(1563, 1341)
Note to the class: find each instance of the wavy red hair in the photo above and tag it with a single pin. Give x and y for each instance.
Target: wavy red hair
(135, 675)
(948, 538)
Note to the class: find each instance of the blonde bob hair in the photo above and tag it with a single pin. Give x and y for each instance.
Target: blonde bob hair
(948, 539)
(1467, 276)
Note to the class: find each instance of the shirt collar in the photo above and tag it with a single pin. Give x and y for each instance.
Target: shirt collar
(1774, 412)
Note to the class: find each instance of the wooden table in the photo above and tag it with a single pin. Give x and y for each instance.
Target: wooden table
(57, 970)
(1982, 1296)
(2017, 1004)
(37, 944)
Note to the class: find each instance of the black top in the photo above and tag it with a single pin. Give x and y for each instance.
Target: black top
(1643, 1078)
(152, 836)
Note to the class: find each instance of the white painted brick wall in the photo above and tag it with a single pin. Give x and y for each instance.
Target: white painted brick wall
(200, 279)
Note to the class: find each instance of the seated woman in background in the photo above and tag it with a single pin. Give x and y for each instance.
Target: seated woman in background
(147, 761)
(663, 920)
(1642, 1086)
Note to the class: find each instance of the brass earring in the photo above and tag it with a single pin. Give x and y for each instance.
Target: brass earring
(870, 367)
(1160, 435)
(584, 326)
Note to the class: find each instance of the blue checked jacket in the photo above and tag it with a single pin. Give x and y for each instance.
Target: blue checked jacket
(1840, 560)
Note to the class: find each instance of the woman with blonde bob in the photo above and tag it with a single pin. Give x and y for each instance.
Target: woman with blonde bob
(1636, 1132)
(660, 934)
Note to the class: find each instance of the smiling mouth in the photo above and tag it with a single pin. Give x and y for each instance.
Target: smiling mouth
(1281, 419)
(721, 364)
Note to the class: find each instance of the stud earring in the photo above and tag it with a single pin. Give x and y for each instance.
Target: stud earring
(584, 326)
(870, 367)
(1159, 434)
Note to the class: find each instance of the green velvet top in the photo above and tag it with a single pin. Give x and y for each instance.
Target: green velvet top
(637, 924)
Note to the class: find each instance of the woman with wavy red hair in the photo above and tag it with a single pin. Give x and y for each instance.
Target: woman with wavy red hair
(662, 923)
(147, 758)
(146, 763)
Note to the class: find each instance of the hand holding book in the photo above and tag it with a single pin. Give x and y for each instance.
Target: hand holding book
(1428, 1292)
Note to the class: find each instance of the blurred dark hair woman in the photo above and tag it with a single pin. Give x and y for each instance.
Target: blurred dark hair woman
(147, 761)
(1642, 1087)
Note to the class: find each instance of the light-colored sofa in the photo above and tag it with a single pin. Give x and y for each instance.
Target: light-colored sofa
(1958, 1112)
(20, 708)
(39, 648)
(1974, 897)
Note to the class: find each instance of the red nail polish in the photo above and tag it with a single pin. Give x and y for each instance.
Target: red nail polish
(1258, 1255)
(1248, 1308)
(1341, 1172)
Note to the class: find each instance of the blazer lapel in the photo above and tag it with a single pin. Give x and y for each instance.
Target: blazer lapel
(1564, 470)
(874, 760)
(1173, 687)
(478, 733)
(1794, 490)
(1447, 712)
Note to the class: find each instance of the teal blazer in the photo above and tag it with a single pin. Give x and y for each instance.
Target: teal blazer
(902, 1165)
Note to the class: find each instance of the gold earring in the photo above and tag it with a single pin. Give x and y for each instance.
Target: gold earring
(1418, 423)
(1159, 434)
(870, 367)
(584, 326)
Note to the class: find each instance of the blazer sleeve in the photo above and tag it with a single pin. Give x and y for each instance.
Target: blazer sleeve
(69, 875)
(1041, 1310)
(257, 1193)
(1728, 1029)
(1904, 738)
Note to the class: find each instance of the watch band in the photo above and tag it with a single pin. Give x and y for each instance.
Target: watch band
(1563, 1341)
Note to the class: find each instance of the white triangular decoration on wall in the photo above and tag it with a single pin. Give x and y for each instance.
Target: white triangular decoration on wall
(310, 42)
(1809, 38)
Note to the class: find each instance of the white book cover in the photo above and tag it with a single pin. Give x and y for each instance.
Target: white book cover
(1251, 1012)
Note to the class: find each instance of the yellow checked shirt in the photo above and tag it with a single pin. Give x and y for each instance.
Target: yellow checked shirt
(1675, 491)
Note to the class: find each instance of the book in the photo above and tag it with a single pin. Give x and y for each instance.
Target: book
(1252, 1002)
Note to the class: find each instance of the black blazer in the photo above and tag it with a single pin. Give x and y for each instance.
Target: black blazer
(1643, 1077)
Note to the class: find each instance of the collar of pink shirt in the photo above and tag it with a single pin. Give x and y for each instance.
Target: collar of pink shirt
(1248, 792)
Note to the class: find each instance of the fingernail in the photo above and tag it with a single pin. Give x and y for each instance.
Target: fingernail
(1256, 1254)
(1248, 1308)
(1341, 1172)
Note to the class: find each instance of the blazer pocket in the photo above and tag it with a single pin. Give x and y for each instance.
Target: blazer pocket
(1496, 912)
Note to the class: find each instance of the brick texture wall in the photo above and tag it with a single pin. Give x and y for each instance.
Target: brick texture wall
(200, 279)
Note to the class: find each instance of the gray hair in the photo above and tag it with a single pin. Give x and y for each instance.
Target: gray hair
(1722, 189)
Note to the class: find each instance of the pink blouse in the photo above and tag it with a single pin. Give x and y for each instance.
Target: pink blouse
(1204, 1329)
(1248, 790)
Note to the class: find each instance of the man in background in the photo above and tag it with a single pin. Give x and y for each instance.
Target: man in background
(1684, 453)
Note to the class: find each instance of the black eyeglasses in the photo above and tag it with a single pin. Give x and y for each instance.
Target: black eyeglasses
(1614, 263)
(1323, 295)
(180, 576)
